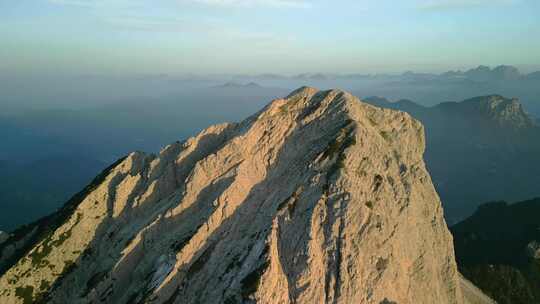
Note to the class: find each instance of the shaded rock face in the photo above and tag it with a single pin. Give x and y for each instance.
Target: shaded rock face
(506, 112)
(317, 198)
(533, 250)
(494, 110)
(3, 236)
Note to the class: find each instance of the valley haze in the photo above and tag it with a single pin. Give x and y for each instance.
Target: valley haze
(71, 128)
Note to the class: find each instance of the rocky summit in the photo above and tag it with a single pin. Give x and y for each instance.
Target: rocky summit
(506, 112)
(317, 198)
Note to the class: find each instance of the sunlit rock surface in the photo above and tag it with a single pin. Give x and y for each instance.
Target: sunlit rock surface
(317, 198)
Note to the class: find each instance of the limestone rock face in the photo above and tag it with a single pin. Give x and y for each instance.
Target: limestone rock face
(317, 198)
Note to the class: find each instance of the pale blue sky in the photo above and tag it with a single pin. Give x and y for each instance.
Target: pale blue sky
(264, 36)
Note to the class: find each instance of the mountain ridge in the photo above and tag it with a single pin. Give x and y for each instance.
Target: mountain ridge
(237, 85)
(315, 198)
(480, 149)
(504, 111)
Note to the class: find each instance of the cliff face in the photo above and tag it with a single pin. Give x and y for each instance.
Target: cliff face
(317, 198)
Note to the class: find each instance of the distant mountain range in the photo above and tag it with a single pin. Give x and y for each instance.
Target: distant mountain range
(498, 249)
(481, 149)
(232, 84)
(424, 88)
(481, 73)
(486, 111)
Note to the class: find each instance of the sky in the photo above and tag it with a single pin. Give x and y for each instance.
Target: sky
(179, 37)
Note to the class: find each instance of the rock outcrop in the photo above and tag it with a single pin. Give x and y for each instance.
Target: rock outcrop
(317, 198)
(493, 109)
(3, 237)
(507, 112)
(533, 250)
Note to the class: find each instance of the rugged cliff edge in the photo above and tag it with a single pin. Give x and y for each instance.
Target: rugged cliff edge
(317, 198)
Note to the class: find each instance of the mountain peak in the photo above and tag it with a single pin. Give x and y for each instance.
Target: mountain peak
(504, 111)
(232, 84)
(499, 73)
(252, 85)
(305, 91)
(316, 198)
